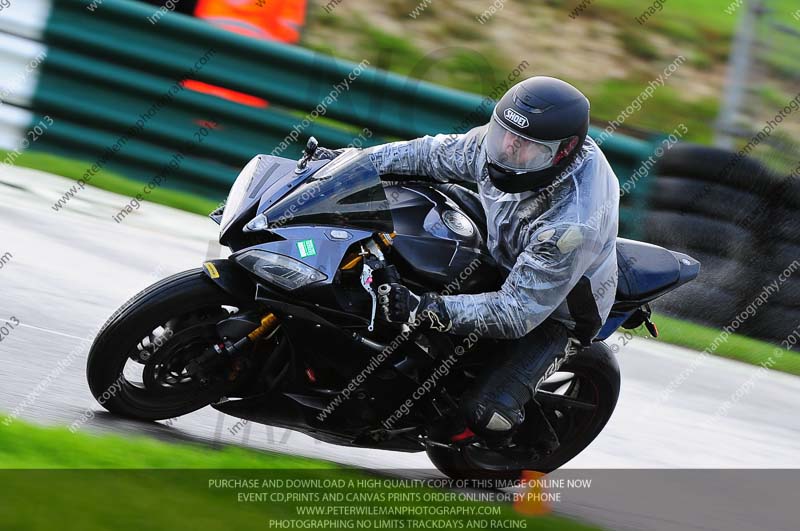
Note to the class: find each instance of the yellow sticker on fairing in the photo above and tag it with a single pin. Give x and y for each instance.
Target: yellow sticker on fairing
(212, 270)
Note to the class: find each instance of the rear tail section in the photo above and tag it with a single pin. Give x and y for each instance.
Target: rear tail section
(646, 272)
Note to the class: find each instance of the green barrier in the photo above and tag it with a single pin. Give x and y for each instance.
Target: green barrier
(291, 76)
(96, 146)
(107, 68)
(121, 86)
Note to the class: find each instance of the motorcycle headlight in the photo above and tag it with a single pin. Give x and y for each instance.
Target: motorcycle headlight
(238, 192)
(284, 271)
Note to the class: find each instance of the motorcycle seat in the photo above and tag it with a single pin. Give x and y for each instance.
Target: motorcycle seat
(645, 270)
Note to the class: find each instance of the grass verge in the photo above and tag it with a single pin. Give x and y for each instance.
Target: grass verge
(110, 181)
(52, 477)
(736, 347)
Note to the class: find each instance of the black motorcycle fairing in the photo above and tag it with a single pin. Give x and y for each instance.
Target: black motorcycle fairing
(272, 187)
(646, 272)
(347, 192)
(436, 240)
(271, 178)
(280, 410)
(320, 247)
(415, 205)
(304, 309)
(231, 278)
(438, 246)
(303, 398)
(468, 201)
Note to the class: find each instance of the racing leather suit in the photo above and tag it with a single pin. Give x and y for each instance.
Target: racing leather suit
(555, 246)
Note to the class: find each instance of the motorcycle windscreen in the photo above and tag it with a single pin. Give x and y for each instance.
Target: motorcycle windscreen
(346, 192)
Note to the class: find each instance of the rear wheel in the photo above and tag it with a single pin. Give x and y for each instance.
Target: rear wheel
(577, 401)
(154, 358)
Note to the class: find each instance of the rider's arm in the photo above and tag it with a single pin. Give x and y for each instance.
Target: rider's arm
(441, 158)
(552, 264)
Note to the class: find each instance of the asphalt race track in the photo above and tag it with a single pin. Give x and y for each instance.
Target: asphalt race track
(69, 270)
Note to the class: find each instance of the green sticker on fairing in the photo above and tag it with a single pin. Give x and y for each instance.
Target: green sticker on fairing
(306, 248)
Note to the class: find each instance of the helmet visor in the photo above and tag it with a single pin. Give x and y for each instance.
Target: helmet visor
(517, 153)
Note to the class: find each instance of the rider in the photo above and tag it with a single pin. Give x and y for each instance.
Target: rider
(551, 201)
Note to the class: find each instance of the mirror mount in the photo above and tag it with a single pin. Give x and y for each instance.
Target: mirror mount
(308, 154)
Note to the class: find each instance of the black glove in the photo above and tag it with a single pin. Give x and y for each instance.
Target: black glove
(401, 305)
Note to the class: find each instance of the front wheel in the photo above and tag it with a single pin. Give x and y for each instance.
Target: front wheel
(577, 401)
(143, 363)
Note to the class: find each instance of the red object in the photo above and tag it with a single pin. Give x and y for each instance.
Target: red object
(277, 20)
(207, 124)
(273, 20)
(565, 149)
(466, 434)
(228, 94)
(311, 376)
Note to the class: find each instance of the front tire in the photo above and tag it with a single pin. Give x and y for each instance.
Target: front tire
(173, 318)
(599, 373)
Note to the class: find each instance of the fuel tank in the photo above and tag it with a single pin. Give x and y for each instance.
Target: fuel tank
(437, 245)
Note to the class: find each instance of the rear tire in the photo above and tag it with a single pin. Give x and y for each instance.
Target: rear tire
(190, 291)
(598, 365)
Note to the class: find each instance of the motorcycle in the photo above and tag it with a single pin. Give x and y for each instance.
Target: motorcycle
(287, 331)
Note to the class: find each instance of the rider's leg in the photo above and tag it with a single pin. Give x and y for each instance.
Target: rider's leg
(495, 405)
